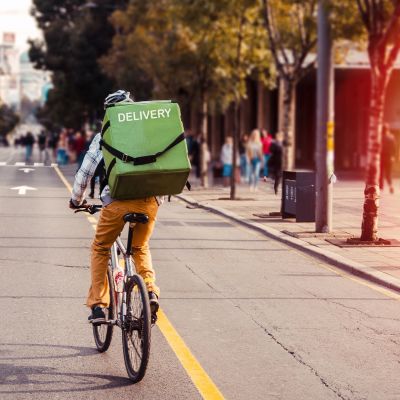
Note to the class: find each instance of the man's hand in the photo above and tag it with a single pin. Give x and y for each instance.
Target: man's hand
(73, 206)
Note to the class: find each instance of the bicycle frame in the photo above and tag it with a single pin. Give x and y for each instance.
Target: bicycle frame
(116, 249)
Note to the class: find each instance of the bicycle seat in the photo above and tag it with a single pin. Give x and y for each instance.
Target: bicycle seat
(136, 217)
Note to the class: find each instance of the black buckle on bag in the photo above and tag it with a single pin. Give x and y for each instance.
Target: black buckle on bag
(124, 158)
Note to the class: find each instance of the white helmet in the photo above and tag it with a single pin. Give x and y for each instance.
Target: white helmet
(117, 97)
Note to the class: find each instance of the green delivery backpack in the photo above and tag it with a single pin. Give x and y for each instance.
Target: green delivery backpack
(144, 150)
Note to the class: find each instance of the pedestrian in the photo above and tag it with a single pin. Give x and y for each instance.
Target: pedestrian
(254, 158)
(62, 155)
(189, 140)
(266, 139)
(388, 154)
(71, 153)
(29, 141)
(52, 144)
(227, 160)
(244, 167)
(275, 160)
(194, 154)
(42, 143)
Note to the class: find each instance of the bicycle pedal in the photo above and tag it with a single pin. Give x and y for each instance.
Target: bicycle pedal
(98, 321)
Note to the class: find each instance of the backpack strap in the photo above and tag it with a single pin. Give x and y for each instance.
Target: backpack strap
(143, 159)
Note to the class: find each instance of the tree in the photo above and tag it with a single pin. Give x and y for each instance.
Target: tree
(245, 55)
(188, 50)
(291, 29)
(381, 19)
(75, 34)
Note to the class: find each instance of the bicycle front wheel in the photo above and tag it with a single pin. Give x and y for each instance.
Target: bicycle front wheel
(136, 332)
(103, 332)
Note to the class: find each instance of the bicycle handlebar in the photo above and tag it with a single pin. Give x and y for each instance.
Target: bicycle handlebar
(89, 208)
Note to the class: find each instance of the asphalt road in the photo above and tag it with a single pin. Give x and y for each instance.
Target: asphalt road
(264, 320)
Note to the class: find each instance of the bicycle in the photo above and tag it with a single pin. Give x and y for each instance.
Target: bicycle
(129, 307)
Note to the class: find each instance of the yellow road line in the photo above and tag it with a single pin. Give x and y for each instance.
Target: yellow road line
(199, 377)
(197, 374)
(64, 180)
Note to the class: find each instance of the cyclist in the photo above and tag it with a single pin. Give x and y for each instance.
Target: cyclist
(110, 225)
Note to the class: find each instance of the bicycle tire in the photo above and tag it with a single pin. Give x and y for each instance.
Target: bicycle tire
(136, 332)
(103, 333)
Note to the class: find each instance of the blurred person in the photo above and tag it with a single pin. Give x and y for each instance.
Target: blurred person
(71, 154)
(62, 156)
(189, 140)
(388, 154)
(244, 167)
(275, 160)
(227, 160)
(52, 144)
(194, 154)
(29, 141)
(266, 140)
(42, 143)
(254, 158)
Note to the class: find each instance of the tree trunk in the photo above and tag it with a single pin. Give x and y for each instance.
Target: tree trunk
(288, 124)
(369, 227)
(203, 144)
(235, 150)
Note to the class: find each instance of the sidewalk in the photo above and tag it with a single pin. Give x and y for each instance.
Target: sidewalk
(377, 264)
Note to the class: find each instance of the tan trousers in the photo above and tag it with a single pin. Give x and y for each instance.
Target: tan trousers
(109, 227)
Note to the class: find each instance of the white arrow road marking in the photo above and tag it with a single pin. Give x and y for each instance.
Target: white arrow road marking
(23, 189)
(26, 170)
(2, 163)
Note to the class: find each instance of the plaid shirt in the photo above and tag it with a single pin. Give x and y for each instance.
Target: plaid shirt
(86, 172)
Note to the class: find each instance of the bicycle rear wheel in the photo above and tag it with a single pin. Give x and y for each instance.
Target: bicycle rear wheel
(136, 332)
(103, 332)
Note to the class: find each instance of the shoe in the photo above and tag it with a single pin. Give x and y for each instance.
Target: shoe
(91, 195)
(391, 189)
(154, 304)
(97, 316)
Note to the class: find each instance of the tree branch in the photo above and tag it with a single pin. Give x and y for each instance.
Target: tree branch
(272, 37)
(392, 28)
(364, 15)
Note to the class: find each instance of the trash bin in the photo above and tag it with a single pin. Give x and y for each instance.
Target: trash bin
(298, 195)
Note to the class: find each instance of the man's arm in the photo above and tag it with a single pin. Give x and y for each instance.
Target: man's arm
(86, 171)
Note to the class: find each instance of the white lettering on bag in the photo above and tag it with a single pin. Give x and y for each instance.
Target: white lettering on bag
(143, 115)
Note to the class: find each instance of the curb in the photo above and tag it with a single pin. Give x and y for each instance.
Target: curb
(353, 267)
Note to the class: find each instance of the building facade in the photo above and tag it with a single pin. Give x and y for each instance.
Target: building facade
(261, 109)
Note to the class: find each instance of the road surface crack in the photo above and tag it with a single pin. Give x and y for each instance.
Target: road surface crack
(296, 356)
(200, 277)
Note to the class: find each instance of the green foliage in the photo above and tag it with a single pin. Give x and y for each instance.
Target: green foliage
(189, 49)
(75, 37)
(8, 119)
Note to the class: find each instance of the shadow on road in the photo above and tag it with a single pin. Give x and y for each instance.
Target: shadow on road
(43, 379)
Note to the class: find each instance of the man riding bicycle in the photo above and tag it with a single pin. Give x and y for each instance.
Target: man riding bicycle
(110, 225)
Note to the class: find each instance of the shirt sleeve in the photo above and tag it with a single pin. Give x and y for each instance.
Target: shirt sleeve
(87, 170)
